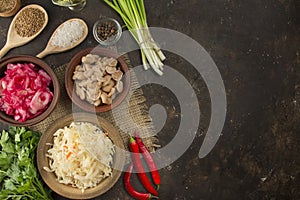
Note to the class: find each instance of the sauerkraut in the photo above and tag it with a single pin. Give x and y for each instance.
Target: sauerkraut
(75, 156)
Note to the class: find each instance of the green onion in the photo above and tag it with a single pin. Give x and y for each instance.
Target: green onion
(134, 16)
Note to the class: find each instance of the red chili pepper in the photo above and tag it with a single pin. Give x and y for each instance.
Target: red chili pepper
(139, 167)
(149, 159)
(135, 194)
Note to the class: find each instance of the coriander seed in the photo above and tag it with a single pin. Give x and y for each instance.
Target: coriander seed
(7, 5)
(29, 22)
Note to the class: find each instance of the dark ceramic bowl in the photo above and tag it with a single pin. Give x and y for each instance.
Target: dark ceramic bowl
(54, 87)
(69, 83)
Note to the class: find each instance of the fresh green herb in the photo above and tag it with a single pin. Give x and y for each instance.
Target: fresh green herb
(133, 14)
(19, 178)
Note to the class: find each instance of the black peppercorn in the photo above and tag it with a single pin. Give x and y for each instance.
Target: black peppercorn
(106, 30)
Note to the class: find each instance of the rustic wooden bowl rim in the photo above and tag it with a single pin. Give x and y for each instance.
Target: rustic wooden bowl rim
(69, 83)
(67, 190)
(55, 86)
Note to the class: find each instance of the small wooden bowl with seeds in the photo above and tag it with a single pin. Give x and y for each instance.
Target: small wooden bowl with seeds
(9, 7)
(97, 79)
(107, 31)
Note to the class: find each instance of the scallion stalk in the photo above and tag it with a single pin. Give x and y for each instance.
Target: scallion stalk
(134, 16)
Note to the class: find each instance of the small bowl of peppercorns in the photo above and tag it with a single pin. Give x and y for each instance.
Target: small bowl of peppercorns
(107, 31)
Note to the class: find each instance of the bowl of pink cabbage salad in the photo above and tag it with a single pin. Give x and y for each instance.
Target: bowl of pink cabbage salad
(29, 90)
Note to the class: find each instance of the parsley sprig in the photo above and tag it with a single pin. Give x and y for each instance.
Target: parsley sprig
(19, 178)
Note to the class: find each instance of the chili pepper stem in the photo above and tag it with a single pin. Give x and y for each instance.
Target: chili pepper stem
(157, 187)
(131, 140)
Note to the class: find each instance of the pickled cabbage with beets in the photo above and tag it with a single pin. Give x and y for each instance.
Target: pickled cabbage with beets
(24, 91)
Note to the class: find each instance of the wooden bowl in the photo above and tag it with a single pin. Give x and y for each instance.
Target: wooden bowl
(54, 87)
(67, 190)
(69, 83)
(12, 11)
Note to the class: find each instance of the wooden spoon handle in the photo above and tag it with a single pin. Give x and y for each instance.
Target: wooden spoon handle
(4, 50)
(42, 54)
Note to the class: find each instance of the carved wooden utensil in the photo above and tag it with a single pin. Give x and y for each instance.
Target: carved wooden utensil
(50, 49)
(14, 39)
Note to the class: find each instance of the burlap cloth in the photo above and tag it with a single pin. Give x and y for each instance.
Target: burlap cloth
(132, 114)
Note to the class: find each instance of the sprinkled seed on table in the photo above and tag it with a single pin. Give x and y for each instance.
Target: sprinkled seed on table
(29, 22)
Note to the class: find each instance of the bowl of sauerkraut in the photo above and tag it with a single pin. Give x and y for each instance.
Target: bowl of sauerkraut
(80, 156)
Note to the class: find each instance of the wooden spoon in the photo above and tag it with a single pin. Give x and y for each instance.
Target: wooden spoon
(14, 39)
(50, 49)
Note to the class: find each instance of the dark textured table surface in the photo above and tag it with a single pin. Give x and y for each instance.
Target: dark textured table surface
(256, 47)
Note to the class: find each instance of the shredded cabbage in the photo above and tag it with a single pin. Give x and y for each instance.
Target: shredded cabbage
(71, 158)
